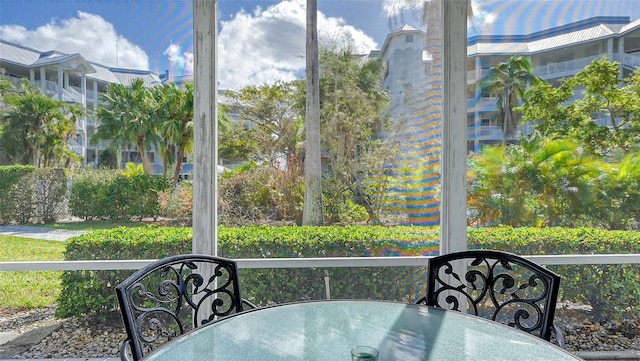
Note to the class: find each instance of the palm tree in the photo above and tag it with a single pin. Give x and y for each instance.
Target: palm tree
(176, 124)
(36, 128)
(127, 119)
(312, 213)
(509, 80)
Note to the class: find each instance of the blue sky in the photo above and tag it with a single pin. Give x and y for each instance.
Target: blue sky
(259, 40)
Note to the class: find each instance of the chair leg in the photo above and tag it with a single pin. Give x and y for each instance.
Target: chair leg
(557, 332)
(249, 304)
(125, 351)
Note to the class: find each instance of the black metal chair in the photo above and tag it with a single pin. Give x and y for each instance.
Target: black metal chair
(497, 285)
(174, 295)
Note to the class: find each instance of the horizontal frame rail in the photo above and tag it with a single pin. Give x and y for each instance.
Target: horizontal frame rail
(95, 265)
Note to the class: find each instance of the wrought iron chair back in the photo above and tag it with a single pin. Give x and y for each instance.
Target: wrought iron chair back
(497, 285)
(174, 295)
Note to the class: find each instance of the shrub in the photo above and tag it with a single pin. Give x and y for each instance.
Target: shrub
(50, 196)
(245, 198)
(107, 194)
(33, 195)
(612, 290)
(92, 293)
(88, 193)
(177, 203)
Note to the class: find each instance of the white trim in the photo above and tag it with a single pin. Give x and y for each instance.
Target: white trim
(337, 262)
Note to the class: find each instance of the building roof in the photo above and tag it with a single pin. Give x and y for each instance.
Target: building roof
(600, 27)
(127, 76)
(403, 30)
(17, 54)
(70, 62)
(20, 55)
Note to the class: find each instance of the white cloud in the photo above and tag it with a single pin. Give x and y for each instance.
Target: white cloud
(181, 62)
(269, 44)
(88, 34)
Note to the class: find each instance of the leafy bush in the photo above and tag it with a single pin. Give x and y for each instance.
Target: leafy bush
(92, 293)
(32, 195)
(107, 194)
(50, 194)
(9, 177)
(612, 290)
(177, 203)
(88, 198)
(245, 198)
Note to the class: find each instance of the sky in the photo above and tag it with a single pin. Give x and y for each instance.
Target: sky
(259, 41)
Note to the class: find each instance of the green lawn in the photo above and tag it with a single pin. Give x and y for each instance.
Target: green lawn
(29, 289)
(36, 289)
(93, 225)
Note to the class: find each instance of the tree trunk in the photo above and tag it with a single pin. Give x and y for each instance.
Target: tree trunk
(312, 213)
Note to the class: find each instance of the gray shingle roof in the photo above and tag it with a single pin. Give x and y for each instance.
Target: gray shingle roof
(27, 57)
(14, 53)
(562, 36)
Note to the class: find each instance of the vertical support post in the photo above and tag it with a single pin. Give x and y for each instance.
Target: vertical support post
(327, 285)
(85, 141)
(205, 172)
(453, 212)
(60, 82)
(43, 80)
(93, 117)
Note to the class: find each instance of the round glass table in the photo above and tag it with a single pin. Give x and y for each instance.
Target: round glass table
(328, 330)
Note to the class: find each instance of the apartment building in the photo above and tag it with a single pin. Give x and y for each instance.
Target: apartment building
(72, 78)
(555, 53)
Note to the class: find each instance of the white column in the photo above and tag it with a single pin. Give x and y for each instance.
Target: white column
(453, 207)
(60, 82)
(83, 89)
(43, 80)
(477, 126)
(32, 76)
(95, 124)
(205, 172)
(85, 141)
(621, 55)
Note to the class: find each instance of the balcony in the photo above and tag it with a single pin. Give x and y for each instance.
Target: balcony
(566, 68)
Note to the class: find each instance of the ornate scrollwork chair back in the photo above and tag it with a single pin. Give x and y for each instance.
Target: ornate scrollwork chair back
(496, 285)
(174, 295)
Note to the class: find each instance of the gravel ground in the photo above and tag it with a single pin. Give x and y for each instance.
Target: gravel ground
(75, 339)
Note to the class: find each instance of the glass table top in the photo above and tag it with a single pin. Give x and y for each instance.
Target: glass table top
(328, 330)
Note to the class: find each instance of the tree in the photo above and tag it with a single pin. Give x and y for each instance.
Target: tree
(353, 124)
(541, 181)
(36, 128)
(606, 120)
(509, 80)
(175, 116)
(274, 114)
(312, 207)
(126, 117)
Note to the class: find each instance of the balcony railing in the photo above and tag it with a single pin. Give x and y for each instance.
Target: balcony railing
(566, 68)
(275, 263)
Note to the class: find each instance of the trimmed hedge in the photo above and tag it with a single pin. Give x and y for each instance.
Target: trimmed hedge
(10, 177)
(612, 290)
(30, 195)
(105, 194)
